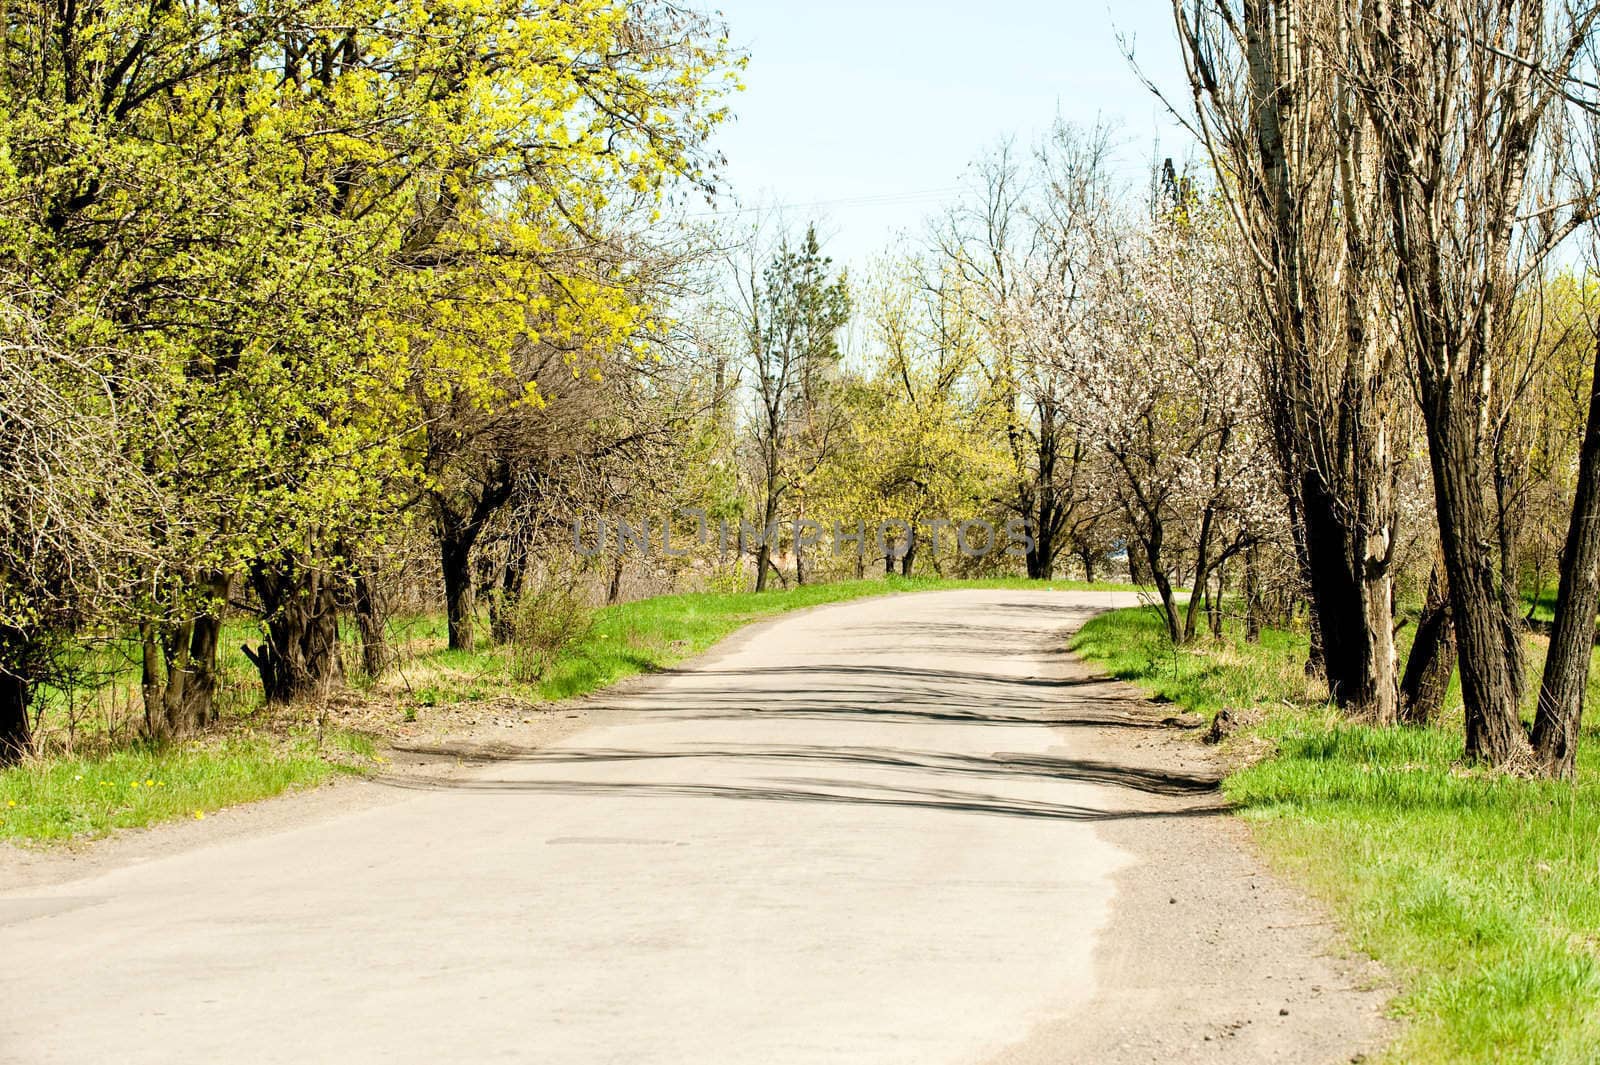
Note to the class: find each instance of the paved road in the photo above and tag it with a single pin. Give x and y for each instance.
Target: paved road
(851, 835)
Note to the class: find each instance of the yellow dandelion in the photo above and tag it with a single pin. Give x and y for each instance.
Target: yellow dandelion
(199, 816)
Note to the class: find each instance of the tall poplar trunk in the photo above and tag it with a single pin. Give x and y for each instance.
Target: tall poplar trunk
(1494, 731)
(1325, 368)
(1458, 273)
(1566, 663)
(1354, 614)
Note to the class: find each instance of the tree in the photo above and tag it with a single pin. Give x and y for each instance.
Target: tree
(1564, 684)
(924, 440)
(1281, 126)
(1457, 127)
(791, 310)
(1026, 235)
(1167, 393)
(285, 218)
(69, 504)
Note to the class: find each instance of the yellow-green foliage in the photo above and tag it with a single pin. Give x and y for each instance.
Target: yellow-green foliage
(924, 439)
(294, 226)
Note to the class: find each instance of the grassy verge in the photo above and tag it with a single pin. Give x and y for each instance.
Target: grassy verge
(57, 799)
(1481, 894)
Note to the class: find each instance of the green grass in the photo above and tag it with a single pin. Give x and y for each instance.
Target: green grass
(1480, 893)
(57, 799)
(1206, 677)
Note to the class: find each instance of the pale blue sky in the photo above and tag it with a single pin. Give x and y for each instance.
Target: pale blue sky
(882, 103)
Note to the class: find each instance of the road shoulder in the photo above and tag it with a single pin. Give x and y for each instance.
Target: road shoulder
(1208, 956)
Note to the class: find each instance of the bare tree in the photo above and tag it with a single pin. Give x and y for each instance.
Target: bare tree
(1458, 95)
(70, 507)
(1278, 118)
(1027, 234)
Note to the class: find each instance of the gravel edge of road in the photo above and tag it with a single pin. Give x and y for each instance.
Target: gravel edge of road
(1210, 957)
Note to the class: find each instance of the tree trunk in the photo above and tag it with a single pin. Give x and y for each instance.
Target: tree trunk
(1494, 731)
(300, 657)
(1352, 597)
(763, 563)
(769, 515)
(1433, 655)
(1252, 596)
(152, 682)
(179, 668)
(200, 694)
(455, 556)
(15, 738)
(1044, 535)
(614, 585)
(1158, 577)
(1566, 663)
(1151, 541)
(1214, 602)
(1316, 658)
(503, 608)
(459, 527)
(1511, 627)
(1136, 573)
(372, 624)
(799, 548)
(1169, 606)
(1202, 572)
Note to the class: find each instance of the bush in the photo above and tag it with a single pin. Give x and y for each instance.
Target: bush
(551, 616)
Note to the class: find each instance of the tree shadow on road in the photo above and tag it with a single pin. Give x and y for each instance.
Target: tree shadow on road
(1185, 794)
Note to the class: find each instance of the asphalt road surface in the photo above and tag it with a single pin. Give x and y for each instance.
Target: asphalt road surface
(858, 834)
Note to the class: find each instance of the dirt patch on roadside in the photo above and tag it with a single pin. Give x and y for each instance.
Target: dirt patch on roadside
(1209, 957)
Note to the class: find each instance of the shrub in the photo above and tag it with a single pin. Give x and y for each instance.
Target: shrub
(551, 616)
